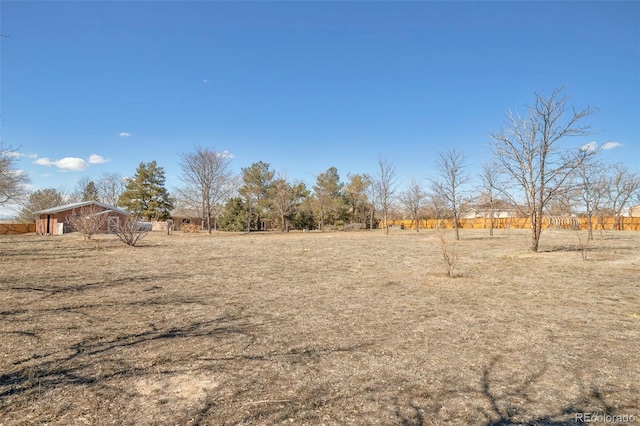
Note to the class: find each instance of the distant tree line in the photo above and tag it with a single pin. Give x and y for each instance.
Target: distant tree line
(533, 172)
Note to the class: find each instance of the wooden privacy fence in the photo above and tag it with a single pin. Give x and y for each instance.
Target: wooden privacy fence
(554, 222)
(16, 228)
(548, 222)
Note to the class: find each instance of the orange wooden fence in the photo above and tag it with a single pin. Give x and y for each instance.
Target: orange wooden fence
(16, 228)
(608, 223)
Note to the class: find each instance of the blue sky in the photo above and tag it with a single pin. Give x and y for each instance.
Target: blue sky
(92, 87)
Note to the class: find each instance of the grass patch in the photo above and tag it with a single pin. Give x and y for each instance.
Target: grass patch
(313, 328)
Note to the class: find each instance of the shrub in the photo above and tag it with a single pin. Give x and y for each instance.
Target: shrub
(190, 228)
(449, 253)
(132, 231)
(88, 220)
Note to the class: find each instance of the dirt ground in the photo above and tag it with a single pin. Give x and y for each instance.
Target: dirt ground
(319, 328)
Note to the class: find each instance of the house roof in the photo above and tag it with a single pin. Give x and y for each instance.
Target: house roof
(189, 213)
(497, 205)
(72, 206)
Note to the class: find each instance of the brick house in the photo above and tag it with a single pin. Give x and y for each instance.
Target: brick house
(54, 221)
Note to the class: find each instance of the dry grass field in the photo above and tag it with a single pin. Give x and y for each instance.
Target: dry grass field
(318, 328)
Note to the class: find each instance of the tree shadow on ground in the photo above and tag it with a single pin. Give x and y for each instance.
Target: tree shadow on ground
(78, 365)
(309, 404)
(502, 411)
(57, 290)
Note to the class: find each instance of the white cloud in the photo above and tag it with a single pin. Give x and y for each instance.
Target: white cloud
(124, 134)
(205, 81)
(97, 159)
(225, 154)
(610, 145)
(591, 146)
(44, 161)
(73, 164)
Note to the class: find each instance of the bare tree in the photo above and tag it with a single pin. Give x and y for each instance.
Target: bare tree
(85, 190)
(488, 192)
(132, 231)
(528, 154)
(620, 187)
(591, 186)
(565, 202)
(13, 181)
(385, 187)
(88, 220)
(449, 252)
(413, 200)
(208, 181)
(110, 187)
(450, 180)
(437, 207)
(41, 199)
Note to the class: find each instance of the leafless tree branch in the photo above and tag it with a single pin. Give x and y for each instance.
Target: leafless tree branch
(530, 156)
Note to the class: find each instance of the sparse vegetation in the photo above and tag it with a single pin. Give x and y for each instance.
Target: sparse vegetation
(88, 221)
(583, 243)
(132, 231)
(313, 328)
(448, 250)
(189, 228)
(13, 182)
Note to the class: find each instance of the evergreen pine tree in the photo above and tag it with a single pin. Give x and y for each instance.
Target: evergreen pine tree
(90, 192)
(257, 181)
(40, 200)
(145, 194)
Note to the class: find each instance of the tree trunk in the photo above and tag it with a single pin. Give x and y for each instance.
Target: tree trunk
(589, 228)
(536, 229)
(491, 222)
(455, 226)
(371, 220)
(386, 224)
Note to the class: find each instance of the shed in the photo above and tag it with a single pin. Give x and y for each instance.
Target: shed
(186, 216)
(54, 221)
